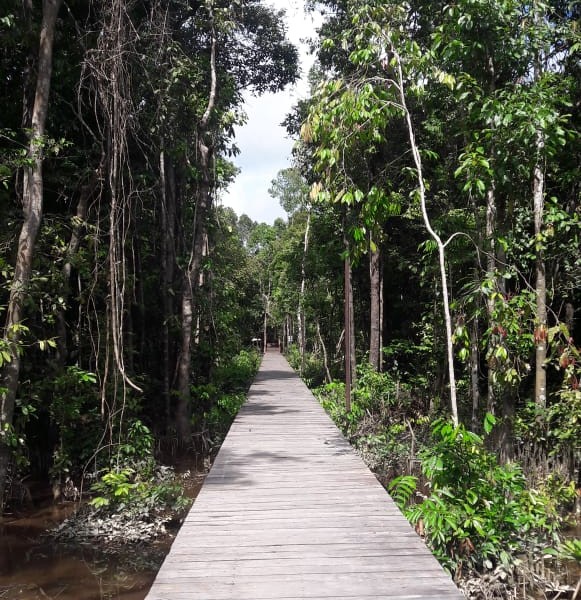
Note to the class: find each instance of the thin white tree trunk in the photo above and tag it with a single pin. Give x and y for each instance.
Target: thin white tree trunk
(439, 243)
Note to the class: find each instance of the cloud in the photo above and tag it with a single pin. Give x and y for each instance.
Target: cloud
(264, 146)
(249, 195)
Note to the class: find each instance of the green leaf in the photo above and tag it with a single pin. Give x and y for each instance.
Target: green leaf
(489, 422)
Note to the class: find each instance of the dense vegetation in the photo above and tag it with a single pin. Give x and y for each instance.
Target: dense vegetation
(440, 148)
(128, 298)
(431, 257)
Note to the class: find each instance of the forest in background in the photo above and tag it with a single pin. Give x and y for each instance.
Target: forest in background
(435, 181)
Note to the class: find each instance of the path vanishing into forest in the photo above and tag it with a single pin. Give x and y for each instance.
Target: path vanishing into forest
(289, 510)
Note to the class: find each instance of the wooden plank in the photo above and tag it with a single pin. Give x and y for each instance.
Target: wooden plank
(290, 511)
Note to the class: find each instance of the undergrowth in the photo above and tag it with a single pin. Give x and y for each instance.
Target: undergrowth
(476, 514)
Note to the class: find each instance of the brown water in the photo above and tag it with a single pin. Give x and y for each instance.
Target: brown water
(34, 567)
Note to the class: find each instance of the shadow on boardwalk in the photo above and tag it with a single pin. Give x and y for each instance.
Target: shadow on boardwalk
(290, 511)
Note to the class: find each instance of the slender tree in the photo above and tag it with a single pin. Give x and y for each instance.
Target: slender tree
(32, 203)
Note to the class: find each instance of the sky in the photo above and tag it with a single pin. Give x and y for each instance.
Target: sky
(264, 146)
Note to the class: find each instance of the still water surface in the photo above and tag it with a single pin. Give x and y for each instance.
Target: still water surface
(34, 567)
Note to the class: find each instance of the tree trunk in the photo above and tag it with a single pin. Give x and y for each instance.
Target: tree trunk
(302, 321)
(191, 273)
(375, 306)
(325, 357)
(474, 372)
(266, 299)
(381, 313)
(491, 276)
(348, 332)
(541, 282)
(439, 243)
(540, 335)
(74, 243)
(32, 200)
(169, 253)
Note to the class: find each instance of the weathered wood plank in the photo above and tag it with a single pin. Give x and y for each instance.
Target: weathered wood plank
(290, 511)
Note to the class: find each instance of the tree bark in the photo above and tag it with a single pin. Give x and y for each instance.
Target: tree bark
(375, 306)
(381, 313)
(32, 201)
(302, 320)
(541, 281)
(191, 273)
(474, 372)
(167, 262)
(490, 232)
(78, 223)
(348, 332)
(325, 356)
(439, 243)
(540, 335)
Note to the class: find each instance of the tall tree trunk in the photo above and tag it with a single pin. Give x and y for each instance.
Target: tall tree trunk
(490, 233)
(348, 332)
(491, 257)
(540, 335)
(541, 281)
(325, 356)
(375, 306)
(302, 321)
(381, 313)
(350, 358)
(191, 273)
(168, 260)
(352, 340)
(439, 243)
(32, 201)
(474, 372)
(74, 243)
(266, 302)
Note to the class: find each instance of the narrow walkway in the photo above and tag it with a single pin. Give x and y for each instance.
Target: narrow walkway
(290, 511)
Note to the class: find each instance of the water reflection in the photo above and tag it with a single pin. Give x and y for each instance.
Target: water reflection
(34, 567)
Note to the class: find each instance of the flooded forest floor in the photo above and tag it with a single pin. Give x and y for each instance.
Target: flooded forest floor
(34, 566)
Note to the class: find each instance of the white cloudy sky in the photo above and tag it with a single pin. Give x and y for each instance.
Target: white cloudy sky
(263, 143)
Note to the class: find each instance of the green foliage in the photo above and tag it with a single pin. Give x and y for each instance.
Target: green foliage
(137, 493)
(402, 489)
(555, 428)
(479, 513)
(567, 550)
(332, 398)
(312, 369)
(73, 412)
(382, 423)
(236, 373)
(134, 484)
(218, 402)
(221, 415)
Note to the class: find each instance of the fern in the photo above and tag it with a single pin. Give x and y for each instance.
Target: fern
(402, 488)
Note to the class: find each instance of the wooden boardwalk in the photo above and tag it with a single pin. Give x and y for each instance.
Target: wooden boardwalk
(289, 511)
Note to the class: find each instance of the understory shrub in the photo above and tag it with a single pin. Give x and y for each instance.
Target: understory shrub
(236, 374)
(479, 514)
(384, 424)
(221, 399)
(134, 484)
(313, 370)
